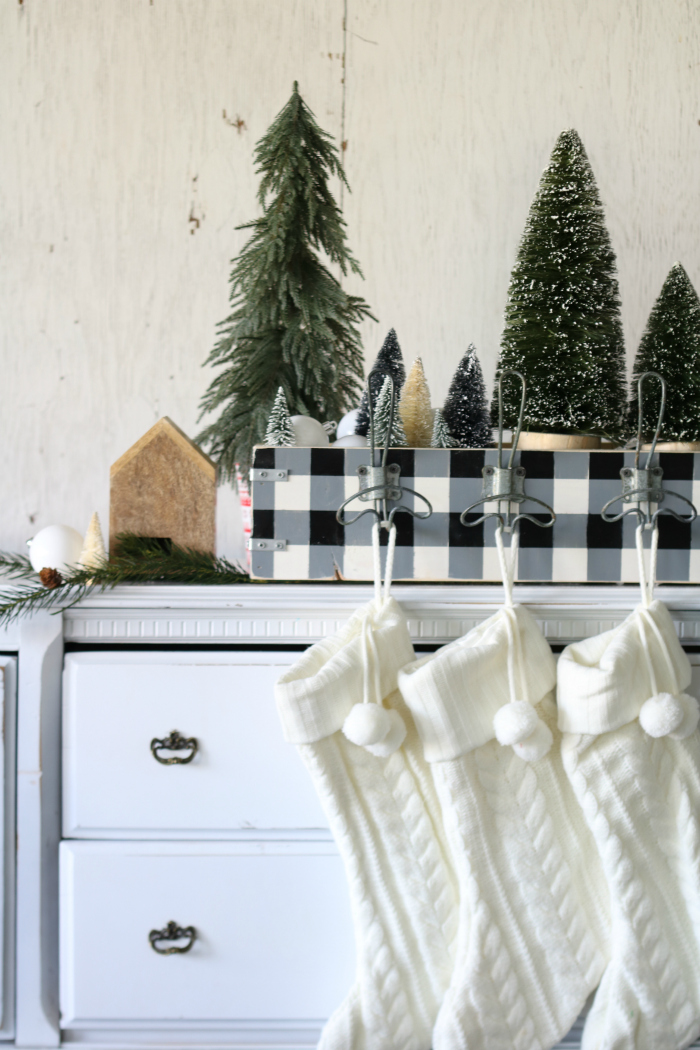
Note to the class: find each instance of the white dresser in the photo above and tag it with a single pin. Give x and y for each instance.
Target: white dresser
(155, 789)
(8, 712)
(218, 830)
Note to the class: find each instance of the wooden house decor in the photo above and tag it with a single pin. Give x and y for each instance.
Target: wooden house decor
(164, 486)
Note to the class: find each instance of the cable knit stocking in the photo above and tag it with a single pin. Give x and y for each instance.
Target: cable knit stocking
(385, 817)
(633, 757)
(533, 924)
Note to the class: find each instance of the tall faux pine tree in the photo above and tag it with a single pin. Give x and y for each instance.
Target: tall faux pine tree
(390, 362)
(563, 329)
(670, 346)
(465, 413)
(291, 325)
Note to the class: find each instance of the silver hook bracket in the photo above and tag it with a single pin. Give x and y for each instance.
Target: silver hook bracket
(506, 485)
(380, 482)
(643, 485)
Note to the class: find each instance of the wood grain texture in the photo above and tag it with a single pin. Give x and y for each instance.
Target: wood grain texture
(453, 108)
(164, 486)
(121, 185)
(122, 182)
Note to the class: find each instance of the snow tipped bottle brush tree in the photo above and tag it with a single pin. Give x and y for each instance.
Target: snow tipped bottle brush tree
(465, 412)
(389, 362)
(670, 345)
(291, 323)
(441, 437)
(280, 431)
(382, 415)
(563, 329)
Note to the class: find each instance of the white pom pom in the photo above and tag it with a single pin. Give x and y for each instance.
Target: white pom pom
(514, 722)
(536, 746)
(691, 717)
(394, 738)
(367, 724)
(661, 714)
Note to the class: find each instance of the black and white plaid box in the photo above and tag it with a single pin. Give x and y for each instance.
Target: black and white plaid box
(581, 547)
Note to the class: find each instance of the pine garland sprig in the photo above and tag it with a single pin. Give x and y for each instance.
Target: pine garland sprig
(137, 559)
(29, 599)
(16, 566)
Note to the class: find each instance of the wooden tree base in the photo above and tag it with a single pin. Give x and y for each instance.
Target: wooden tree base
(533, 440)
(674, 446)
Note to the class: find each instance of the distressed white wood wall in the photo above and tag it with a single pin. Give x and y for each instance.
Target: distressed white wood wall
(126, 136)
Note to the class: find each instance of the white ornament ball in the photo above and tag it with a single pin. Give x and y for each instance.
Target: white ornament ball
(348, 423)
(514, 722)
(55, 547)
(535, 746)
(308, 432)
(393, 739)
(351, 441)
(691, 717)
(366, 724)
(661, 714)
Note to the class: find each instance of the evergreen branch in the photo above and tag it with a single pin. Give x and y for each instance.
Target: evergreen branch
(137, 559)
(31, 598)
(16, 565)
(141, 559)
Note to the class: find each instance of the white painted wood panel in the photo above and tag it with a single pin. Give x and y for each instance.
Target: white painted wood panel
(7, 667)
(124, 176)
(8, 687)
(274, 935)
(244, 776)
(452, 111)
(8, 798)
(122, 182)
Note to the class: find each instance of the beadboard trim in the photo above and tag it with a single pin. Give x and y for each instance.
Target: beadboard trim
(251, 614)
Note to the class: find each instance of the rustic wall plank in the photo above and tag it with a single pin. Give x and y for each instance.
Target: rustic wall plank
(453, 108)
(121, 186)
(122, 181)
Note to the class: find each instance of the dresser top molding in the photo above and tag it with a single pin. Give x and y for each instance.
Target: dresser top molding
(254, 614)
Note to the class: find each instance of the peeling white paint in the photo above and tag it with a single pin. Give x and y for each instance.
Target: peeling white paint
(122, 181)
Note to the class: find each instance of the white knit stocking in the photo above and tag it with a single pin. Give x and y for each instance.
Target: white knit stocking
(640, 794)
(533, 918)
(385, 818)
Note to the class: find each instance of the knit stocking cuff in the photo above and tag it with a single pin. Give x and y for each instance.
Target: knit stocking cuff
(455, 693)
(315, 696)
(603, 682)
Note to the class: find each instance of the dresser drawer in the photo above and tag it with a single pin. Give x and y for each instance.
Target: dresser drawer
(242, 776)
(272, 922)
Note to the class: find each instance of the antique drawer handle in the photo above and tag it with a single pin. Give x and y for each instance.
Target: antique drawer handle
(172, 932)
(175, 742)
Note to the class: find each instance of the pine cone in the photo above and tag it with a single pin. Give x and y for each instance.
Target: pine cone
(51, 578)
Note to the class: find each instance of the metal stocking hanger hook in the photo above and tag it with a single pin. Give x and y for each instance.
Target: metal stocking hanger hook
(643, 485)
(381, 483)
(506, 484)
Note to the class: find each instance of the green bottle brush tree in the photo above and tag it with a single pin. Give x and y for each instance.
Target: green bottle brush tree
(563, 329)
(670, 346)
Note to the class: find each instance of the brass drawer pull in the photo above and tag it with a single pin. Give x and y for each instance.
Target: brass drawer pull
(172, 932)
(175, 742)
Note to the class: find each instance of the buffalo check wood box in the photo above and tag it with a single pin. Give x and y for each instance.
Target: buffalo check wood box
(297, 517)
